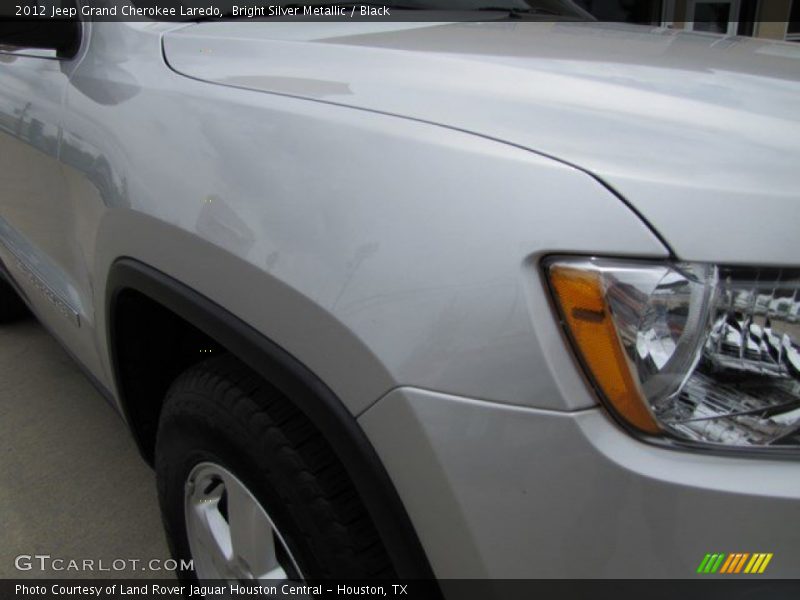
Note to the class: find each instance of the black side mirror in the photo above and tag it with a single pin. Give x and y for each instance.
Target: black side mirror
(62, 36)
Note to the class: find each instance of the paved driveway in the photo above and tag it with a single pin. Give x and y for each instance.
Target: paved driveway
(71, 482)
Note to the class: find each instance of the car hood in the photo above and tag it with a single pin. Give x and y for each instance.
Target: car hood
(699, 133)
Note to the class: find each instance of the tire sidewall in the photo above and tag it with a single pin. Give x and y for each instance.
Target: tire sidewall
(181, 447)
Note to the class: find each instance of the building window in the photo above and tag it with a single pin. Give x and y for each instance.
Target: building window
(714, 16)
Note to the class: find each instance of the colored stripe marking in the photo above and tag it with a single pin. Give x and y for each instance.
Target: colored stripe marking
(710, 563)
(765, 563)
(752, 562)
(728, 563)
(741, 562)
(757, 564)
(703, 563)
(718, 563)
(736, 558)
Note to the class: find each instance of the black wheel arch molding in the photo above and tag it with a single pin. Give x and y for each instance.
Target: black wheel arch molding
(292, 378)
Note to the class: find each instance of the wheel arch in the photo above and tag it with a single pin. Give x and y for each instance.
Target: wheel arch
(311, 395)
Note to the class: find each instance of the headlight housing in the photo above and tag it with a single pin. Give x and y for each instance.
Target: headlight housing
(696, 352)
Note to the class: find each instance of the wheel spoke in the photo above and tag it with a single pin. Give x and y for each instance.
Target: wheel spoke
(252, 534)
(230, 534)
(211, 529)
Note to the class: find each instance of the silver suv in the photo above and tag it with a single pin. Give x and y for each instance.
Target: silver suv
(499, 299)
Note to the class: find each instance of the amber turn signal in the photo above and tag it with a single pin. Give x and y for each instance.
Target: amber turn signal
(585, 312)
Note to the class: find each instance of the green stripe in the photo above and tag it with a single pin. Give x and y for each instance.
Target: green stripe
(710, 563)
(703, 564)
(718, 563)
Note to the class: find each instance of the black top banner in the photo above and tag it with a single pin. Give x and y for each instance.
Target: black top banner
(650, 12)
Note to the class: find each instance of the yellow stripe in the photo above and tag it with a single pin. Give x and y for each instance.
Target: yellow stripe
(752, 562)
(728, 561)
(765, 563)
(761, 558)
(741, 561)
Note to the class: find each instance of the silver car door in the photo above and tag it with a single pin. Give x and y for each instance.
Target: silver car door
(37, 221)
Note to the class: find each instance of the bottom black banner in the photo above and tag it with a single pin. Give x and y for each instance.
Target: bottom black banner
(469, 589)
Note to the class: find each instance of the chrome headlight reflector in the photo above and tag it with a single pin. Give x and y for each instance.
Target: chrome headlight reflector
(697, 352)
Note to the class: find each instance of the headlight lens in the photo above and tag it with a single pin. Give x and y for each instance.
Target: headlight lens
(702, 353)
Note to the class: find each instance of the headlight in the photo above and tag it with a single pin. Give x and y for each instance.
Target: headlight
(702, 353)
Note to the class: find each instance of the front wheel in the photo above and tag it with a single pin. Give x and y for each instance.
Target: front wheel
(249, 490)
(230, 534)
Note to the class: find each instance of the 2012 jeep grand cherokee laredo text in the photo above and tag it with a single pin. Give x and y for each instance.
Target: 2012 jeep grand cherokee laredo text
(503, 299)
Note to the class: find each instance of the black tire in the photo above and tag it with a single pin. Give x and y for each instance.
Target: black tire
(11, 305)
(220, 411)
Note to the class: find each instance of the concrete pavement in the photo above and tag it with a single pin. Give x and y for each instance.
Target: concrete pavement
(72, 484)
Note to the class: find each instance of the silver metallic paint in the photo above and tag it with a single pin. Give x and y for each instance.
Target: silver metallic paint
(697, 131)
(386, 252)
(380, 251)
(576, 496)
